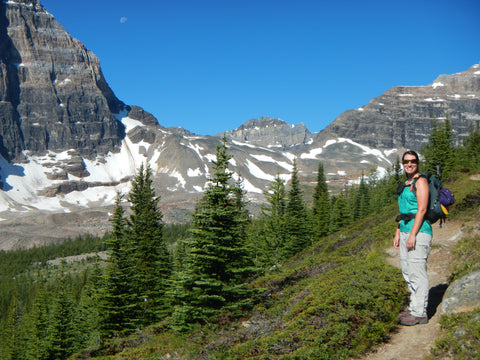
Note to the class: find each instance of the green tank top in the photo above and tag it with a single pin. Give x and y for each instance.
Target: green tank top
(407, 204)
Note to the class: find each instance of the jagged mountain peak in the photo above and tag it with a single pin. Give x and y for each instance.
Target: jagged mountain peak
(262, 122)
(273, 133)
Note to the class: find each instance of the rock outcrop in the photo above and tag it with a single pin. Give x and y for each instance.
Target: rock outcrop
(463, 295)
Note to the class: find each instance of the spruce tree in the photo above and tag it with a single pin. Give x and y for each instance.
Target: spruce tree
(14, 346)
(62, 333)
(469, 153)
(362, 199)
(439, 151)
(321, 208)
(38, 323)
(119, 303)
(153, 265)
(273, 220)
(89, 309)
(217, 264)
(341, 214)
(297, 224)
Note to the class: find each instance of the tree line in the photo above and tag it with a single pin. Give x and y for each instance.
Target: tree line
(203, 275)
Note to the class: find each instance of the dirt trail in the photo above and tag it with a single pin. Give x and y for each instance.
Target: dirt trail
(414, 342)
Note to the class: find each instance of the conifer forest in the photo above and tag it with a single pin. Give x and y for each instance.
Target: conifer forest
(151, 290)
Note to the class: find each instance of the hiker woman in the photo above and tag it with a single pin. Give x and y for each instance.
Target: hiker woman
(413, 238)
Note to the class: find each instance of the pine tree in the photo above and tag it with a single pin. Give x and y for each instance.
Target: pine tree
(14, 345)
(440, 151)
(153, 263)
(362, 200)
(341, 214)
(297, 224)
(270, 234)
(119, 303)
(62, 333)
(469, 153)
(217, 262)
(321, 208)
(89, 309)
(38, 323)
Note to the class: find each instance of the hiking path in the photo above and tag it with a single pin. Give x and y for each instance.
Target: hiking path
(414, 342)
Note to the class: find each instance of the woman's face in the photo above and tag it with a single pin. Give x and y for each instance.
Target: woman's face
(410, 165)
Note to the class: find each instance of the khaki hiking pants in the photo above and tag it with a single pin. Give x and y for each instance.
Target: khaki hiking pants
(414, 270)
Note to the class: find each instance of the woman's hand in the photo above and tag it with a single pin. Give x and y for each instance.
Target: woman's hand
(412, 239)
(396, 239)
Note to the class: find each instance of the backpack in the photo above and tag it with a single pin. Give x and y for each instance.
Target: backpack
(439, 200)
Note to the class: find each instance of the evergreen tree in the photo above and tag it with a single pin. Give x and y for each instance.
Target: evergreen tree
(14, 342)
(38, 324)
(469, 153)
(297, 225)
(217, 264)
(440, 151)
(119, 305)
(321, 208)
(62, 334)
(153, 263)
(363, 197)
(341, 214)
(273, 223)
(89, 310)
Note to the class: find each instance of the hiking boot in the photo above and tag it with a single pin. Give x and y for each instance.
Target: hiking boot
(403, 314)
(410, 320)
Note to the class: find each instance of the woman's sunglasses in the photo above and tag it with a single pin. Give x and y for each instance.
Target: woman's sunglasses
(413, 161)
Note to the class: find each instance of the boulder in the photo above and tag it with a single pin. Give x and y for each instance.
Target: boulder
(463, 295)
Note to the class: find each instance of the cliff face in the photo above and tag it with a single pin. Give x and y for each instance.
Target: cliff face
(402, 116)
(53, 95)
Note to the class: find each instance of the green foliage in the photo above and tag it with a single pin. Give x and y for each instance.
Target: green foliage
(119, 306)
(321, 205)
(461, 338)
(439, 150)
(62, 336)
(297, 223)
(341, 311)
(152, 261)
(335, 298)
(217, 264)
(268, 236)
(469, 154)
(461, 332)
(466, 257)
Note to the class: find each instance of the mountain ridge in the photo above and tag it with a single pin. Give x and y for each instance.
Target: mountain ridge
(68, 144)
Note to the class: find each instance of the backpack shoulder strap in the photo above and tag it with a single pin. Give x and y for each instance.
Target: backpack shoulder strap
(413, 184)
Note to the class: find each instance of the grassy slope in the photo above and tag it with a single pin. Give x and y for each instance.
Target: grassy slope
(338, 297)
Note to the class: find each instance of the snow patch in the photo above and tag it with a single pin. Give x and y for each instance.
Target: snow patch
(257, 172)
(312, 154)
(194, 172)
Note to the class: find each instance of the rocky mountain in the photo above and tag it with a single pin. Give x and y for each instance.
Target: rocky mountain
(68, 145)
(401, 117)
(274, 132)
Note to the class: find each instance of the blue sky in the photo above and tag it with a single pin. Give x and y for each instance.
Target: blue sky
(211, 65)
